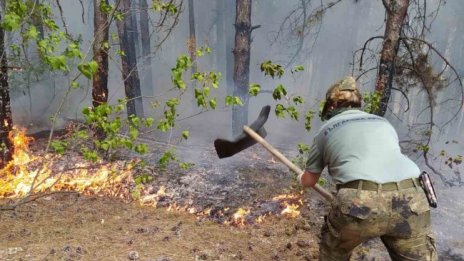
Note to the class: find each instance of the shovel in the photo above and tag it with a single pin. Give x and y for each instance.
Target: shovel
(254, 134)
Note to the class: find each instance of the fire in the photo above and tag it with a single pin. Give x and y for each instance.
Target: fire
(21, 146)
(239, 217)
(292, 204)
(31, 173)
(28, 173)
(291, 210)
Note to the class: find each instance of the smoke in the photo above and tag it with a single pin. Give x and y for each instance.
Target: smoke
(327, 57)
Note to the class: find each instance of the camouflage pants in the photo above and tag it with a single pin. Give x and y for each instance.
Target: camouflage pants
(401, 218)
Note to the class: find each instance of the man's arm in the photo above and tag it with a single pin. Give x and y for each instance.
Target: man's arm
(308, 179)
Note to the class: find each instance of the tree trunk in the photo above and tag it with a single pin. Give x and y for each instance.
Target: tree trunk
(220, 37)
(100, 55)
(129, 64)
(6, 119)
(146, 43)
(134, 31)
(241, 63)
(229, 37)
(192, 43)
(396, 13)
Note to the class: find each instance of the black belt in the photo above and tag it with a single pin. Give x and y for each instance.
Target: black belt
(370, 185)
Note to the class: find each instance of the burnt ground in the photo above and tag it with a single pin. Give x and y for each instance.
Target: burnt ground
(75, 227)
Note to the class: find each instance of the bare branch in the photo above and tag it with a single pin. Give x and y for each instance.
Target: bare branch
(62, 18)
(405, 96)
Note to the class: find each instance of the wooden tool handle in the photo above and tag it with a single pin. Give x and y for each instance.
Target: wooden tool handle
(327, 195)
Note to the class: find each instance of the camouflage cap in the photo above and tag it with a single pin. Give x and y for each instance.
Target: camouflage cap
(346, 84)
(343, 94)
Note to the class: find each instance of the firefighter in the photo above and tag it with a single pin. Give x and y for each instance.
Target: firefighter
(378, 191)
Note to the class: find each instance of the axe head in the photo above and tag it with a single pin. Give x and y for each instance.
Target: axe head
(227, 148)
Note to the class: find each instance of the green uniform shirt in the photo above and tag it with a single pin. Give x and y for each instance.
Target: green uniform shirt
(358, 145)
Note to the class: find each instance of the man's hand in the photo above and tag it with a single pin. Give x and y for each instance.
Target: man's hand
(308, 179)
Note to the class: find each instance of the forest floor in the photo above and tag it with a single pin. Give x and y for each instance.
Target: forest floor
(73, 226)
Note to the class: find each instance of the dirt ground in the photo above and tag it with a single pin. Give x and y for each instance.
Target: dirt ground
(74, 227)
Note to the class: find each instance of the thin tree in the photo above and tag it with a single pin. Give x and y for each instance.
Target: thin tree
(100, 54)
(229, 14)
(129, 63)
(241, 52)
(396, 13)
(6, 119)
(147, 86)
(134, 32)
(192, 42)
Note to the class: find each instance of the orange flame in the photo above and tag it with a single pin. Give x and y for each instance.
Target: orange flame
(20, 177)
(239, 217)
(291, 210)
(34, 173)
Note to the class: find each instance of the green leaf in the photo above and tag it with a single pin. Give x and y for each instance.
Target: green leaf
(11, 22)
(229, 100)
(185, 134)
(173, 102)
(215, 78)
(298, 68)
(32, 33)
(279, 92)
(298, 100)
(303, 148)
(143, 179)
(212, 103)
(280, 110)
(135, 121)
(272, 69)
(163, 125)
(206, 91)
(105, 146)
(59, 146)
(167, 157)
(141, 148)
(89, 154)
(105, 8)
(254, 89)
(74, 85)
(133, 133)
(308, 119)
(293, 112)
(186, 165)
(82, 134)
(73, 51)
(120, 53)
(238, 101)
(50, 23)
(149, 122)
(86, 110)
(199, 53)
(118, 16)
(233, 100)
(88, 69)
(57, 62)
